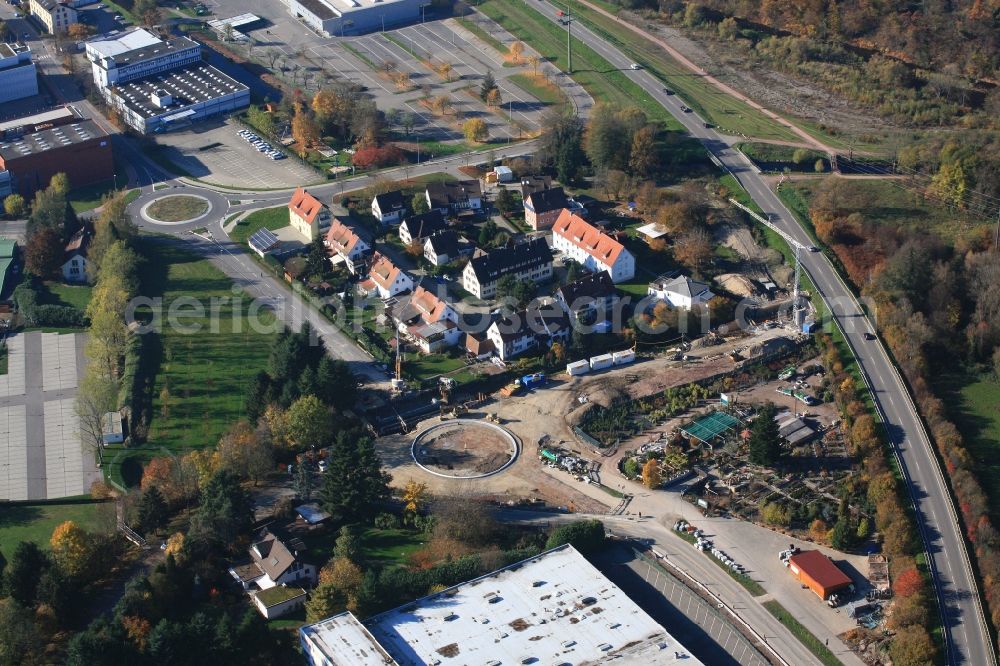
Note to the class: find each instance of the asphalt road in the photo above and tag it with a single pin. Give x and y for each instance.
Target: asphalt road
(736, 599)
(962, 612)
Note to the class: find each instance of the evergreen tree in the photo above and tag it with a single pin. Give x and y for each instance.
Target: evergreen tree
(316, 258)
(153, 510)
(765, 442)
(259, 396)
(21, 575)
(347, 545)
(336, 385)
(354, 485)
(225, 513)
(489, 84)
(304, 483)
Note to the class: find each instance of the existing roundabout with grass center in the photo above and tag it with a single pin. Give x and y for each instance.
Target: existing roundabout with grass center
(177, 209)
(465, 449)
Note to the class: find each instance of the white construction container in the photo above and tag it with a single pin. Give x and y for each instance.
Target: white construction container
(601, 362)
(623, 357)
(578, 368)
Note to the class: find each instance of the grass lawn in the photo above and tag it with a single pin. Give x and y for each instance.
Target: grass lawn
(974, 404)
(199, 389)
(89, 197)
(805, 637)
(35, 522)
(383, 547)
(542, 90)
(432, 365)
(57, 293)
(177, 208)
(886, 201)
(3, 360)
(724, 111)
(604, 82)
(774, 157)
(268, 218)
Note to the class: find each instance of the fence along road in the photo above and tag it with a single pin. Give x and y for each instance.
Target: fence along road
(966, 633)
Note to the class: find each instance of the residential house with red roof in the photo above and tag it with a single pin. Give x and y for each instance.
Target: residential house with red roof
(592, 248)
(386, 279)
(428, 320)
(347, 247)
(307, 214)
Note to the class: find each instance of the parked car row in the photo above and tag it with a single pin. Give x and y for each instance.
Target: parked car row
(261, 145)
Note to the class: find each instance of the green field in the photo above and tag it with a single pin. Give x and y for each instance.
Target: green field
(974, 405)
(35, 522)
(776, 157)
(604, 82)
(885, 201)
(57, 293)
(384, 548)
(177, 208)
(426, 366)
(545, 93)
(198, 391)
(267, 218)
(82, 199)
(805, 636)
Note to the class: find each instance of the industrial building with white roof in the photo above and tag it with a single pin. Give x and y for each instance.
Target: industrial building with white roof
(157, 85)
(554, 608)
(351, 17)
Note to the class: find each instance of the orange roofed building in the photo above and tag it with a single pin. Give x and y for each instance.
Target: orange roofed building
(818, 572)
(386, 278)
(429, 321)
(592, 248)
(307, 215)
(346, 247)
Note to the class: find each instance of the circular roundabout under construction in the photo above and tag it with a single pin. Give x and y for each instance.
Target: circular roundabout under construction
(465, 449)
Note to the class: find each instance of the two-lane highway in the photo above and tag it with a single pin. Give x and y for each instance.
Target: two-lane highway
(963, 616)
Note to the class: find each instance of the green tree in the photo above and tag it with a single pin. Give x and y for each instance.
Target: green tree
(354, 485)
(304, 482)
(765, 442)
(27, 563)
(631, 468)
(20, 642)
(489, 84)
(316, 258)
(505, 202)
(224, 514)
(14, 206)
(153, 512)
(843, 533)
(419, 203)
(309, 422)
(487, 233)
(49, 211)
(261, 120)
(348, 545)
(587, 536)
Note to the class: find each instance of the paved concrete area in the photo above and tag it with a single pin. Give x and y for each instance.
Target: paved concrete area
(41, 454)
(213, 152)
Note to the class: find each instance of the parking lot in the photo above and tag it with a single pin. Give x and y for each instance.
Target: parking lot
(214, 152)
(41, 454)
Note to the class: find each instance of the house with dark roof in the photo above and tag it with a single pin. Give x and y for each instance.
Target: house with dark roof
(427, 320)
(529, 260)
(278, 565)
(307, 214)
(531, 184)
(389, 207)
(74, 264)
(542, 208)
(592, 248)
(419, 227)
(536, 326)
(346, 246)
(444, 247)
(453, 196)
(680, 292)
(594, 292)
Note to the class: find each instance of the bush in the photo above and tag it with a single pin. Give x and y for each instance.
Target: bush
(587, 536)
(387, 521)
(378, 157)
(35, 314)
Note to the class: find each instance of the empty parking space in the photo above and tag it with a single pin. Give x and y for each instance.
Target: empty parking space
(217, 154)
(58, 361)
(12, 383)
(64, 456)
(13, 454)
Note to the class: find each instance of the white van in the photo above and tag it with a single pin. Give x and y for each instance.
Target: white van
(635, 65)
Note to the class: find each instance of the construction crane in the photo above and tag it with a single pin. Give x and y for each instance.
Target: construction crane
(397, 382)
(797, 309)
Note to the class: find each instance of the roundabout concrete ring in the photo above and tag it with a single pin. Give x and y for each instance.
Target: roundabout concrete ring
(153, 220)
(507, 436)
